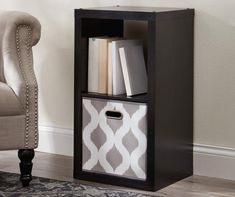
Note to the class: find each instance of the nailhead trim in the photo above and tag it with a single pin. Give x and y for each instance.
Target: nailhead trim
(27, 107)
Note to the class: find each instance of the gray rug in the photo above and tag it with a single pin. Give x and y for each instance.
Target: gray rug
(10, 186)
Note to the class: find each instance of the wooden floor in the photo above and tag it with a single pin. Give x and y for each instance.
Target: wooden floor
(60, 168)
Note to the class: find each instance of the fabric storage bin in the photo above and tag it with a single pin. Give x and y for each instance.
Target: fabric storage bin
(114, 137)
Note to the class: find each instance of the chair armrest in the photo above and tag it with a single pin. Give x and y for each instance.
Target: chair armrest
(19, 32)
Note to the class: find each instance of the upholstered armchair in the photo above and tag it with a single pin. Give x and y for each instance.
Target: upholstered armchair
(18, 88)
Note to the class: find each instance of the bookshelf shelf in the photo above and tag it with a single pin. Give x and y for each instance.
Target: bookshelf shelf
(142, 98)
(166, 109)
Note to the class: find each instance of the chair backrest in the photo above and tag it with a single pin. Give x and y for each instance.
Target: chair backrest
(9, 21)
(1, 58)
(1, 68)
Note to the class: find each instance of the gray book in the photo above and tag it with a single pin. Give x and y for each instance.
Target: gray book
(117, 78)
(134, 70)
(93, 65)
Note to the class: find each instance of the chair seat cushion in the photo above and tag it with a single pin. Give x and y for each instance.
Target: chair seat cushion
(9, 103)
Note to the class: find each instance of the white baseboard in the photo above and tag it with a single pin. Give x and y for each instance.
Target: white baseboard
(212, 161)
(55, 140)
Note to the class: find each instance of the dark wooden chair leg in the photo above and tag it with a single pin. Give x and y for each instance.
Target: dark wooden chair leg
(26, 156)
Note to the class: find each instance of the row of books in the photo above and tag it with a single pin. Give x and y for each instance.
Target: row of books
(116, 66)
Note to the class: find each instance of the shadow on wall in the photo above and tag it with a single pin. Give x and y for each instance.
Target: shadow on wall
(56, 86)
(214, 80)
(55, 64)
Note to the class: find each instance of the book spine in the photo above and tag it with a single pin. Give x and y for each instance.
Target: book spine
(114, 73)
(103, 66)
(125, 71)
(110, 68)
(93, 75)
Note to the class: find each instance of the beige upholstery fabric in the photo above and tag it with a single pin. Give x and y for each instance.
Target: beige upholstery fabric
(1, 66)
(9, 103)
(11, 132)
(18, 33)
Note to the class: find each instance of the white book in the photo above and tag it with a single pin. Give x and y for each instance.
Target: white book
(110, 69)
(134, 70)
(93, 65)
(118, 80)
(103, 64)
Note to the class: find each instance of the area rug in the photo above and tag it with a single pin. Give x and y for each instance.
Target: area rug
(10, 186)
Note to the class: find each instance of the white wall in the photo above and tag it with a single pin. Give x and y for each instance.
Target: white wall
(214, 62)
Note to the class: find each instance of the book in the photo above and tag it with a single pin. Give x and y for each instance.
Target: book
(93, 65)
(110, 69)
(98, 64)
(134, 69)
(103, 64)
(118, 86)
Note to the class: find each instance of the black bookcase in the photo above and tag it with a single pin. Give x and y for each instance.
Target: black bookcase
(169, 59)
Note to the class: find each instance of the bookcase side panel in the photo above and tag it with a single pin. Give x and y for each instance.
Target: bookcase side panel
(174, 97)
(151, 72)
(77, 96)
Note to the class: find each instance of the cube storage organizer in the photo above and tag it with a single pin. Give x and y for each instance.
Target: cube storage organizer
(144, 141)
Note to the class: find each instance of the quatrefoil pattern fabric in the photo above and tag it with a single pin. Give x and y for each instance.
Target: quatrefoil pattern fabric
(114, 146)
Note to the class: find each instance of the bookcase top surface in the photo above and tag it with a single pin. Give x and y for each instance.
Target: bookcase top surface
(135, 9)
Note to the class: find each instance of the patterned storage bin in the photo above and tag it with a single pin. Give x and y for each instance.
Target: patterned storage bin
(114, 138)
